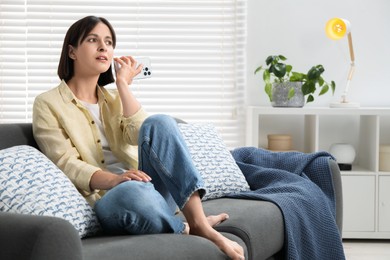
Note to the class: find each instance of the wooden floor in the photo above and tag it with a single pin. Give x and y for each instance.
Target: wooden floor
(367, 249)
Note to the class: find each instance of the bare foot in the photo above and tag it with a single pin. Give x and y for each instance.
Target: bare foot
(200, 225)
(229, 247)
(186, 229)
(215, 220)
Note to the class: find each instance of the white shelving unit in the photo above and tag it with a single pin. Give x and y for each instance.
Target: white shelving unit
(366, 190)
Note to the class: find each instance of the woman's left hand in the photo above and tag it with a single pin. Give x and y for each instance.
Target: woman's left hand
(136, 175)
(126, 69)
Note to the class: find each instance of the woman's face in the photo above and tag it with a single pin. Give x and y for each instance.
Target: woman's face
(95, 53)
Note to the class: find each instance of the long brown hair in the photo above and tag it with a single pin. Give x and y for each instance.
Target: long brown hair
(74, 36)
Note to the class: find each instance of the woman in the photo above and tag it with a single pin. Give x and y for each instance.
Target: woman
(96, 137)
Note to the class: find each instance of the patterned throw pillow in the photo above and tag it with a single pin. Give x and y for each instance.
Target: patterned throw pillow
(213, 161)
(31, 184)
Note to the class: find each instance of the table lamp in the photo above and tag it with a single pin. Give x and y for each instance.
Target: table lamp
(336, 29)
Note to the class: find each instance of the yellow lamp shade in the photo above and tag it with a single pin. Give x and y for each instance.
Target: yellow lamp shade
(337, 28)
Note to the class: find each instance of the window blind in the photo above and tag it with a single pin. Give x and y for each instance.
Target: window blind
(197, 50)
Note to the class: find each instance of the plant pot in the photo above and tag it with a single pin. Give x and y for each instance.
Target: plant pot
(280, 95)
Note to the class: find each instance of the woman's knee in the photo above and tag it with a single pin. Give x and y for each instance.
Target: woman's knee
(159, 121)
(128, 192)
(121, 198)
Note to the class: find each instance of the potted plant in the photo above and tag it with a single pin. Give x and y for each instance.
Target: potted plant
(285, 87)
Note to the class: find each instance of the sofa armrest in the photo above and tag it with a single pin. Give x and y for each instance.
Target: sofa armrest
(338, 190)
(37, 237)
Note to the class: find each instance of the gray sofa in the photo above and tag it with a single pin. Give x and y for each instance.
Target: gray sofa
(255, 225)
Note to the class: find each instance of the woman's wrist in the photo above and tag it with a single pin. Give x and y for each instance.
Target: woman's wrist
(103, 180)
(123, 83)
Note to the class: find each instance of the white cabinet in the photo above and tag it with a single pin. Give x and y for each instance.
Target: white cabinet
(366, 190)
(384, 204)
(359, 194)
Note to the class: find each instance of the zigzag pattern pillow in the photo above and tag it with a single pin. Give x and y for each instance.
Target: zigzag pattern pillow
(213, 160)
(31, 184)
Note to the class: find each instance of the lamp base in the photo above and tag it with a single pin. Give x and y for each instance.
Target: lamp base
(345, 166)
(344, 105)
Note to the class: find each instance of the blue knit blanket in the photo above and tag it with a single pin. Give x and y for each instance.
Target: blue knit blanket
(301, 186)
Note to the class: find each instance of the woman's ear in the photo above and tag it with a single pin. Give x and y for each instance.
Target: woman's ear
(71, 53)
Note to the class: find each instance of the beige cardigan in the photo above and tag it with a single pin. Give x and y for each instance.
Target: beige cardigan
(66, 133)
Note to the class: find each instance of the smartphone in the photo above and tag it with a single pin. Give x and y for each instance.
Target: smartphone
(146, 67)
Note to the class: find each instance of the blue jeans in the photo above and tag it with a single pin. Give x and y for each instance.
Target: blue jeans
(135, 207)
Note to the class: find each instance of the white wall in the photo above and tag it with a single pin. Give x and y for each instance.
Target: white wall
(295, 28)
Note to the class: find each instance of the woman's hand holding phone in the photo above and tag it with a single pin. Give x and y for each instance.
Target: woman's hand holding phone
(126, 69)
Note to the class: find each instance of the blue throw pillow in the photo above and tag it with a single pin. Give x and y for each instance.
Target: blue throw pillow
(31, 184)
(212, 158)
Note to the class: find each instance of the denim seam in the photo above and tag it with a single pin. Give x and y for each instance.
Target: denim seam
(166, 173)
(186, 196)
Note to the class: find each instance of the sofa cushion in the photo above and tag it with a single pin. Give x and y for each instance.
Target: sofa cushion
(213, 160)
(31, 184)
(154, 247)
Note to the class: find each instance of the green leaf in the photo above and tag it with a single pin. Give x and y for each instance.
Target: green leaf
(320, 68)
(270, 59)
(312, 86)
(321, 81)
(266, 76)
(309, 99)
(258, 69)
(279, 69)
(308, 87)
(296, 76)
(314, 73)
(305, 89)
(281, 57)
(291, 93)
(333, 86)
(268, 90)
(324, 89)
(288, 68)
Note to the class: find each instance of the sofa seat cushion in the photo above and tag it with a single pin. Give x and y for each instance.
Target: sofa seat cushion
(258, 223)
(255, 225)
(153, 247)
